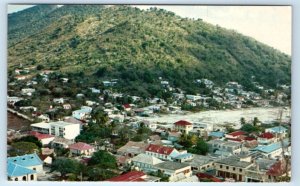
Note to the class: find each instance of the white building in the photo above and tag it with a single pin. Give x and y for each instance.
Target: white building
(59, 128)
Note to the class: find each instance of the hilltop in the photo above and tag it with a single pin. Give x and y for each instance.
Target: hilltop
(89, 44)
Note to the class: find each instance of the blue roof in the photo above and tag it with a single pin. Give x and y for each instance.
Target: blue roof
(14, 170)
(271, 147)
(183, 156)
(278, 129)
(216, 134)
(26, 160)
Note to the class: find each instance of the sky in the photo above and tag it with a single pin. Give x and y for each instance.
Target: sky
(271, 25)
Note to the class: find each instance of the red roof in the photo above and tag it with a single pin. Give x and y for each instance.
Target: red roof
(129, 177)
(249, 138)
(126, 106)
(40, 136)
(207, 176)
(80, 146)
(237, 133)
(159, 149)
(182, 123)
(234, 139)
(277, 169)
(267, 135)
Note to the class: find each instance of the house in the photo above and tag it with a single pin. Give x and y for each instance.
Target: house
(44, 117)
(183, 157)
(266, 138)
(235, 135)
(59, 100)
(127, 107)
(91, 103)
(59, 128)
(17, 172)
(174, 170)
(162, 152)
(279, 131)
(22, 77)
(183, 126)
(45, 139)
(145, 162)
(134, 176)
(47, 159)
(83, 113)
(263, 171)
(201, 163)
(232, 168)
(70, 119)
(59, 142)
(95, 91)
(67, 106)
(22, 164)
(216, 134)
(193, 97)
(274, 150)
(13, 100)
(229, 147)
(81, 149)
(27, 91)
(132, 148)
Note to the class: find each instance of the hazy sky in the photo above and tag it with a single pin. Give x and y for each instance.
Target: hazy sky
(271, 25)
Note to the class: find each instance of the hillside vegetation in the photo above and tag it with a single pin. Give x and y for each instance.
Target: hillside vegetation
(95, 43)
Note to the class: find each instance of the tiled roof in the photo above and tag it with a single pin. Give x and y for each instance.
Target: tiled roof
(277, 169)
(129, 177)
(80, 146)
(267, 135)
(182, 123)
(26, 160)
(127, 106)
(14, 170)
(160, 149)
(237, 133)
(133, 147)
(207, 176)
(40, 136)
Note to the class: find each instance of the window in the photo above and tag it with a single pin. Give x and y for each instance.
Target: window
(233, 168)
(24, 178)
(16, 179)
(241, 170)
(31, 177)
(227, 167)
(221, 166)
(34, 168)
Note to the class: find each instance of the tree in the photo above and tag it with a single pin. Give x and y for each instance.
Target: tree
(31, 139)
(97, 173)
(243, 121)
(21, 148)
(65, 166)
(200, 148)
(255, 121)
(103, 159)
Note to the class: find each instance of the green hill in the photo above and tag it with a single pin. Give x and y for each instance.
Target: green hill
(137, 47)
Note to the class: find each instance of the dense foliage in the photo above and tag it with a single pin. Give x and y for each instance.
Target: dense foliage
(137, 47)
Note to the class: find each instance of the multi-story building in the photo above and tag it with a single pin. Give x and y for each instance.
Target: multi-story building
(229, 147)
(183, 126)
(59, 128)
(232, 167)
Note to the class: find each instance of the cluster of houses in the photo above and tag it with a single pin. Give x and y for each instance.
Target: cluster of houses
(236, 156)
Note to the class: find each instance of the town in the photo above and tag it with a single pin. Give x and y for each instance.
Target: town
(99, 133)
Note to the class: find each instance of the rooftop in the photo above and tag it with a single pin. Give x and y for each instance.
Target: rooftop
(129, 177)
(267, 135)
(14, 170)
(234, 161)
(216, 134)
(40, 136)
(278, 129)
(237, 133)
(26, 160)
(171, 165)
(272, 147)
(182, 123)
(200, 160)
(226, 143)
(159, 149)
(80, 146)
(147, 159)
